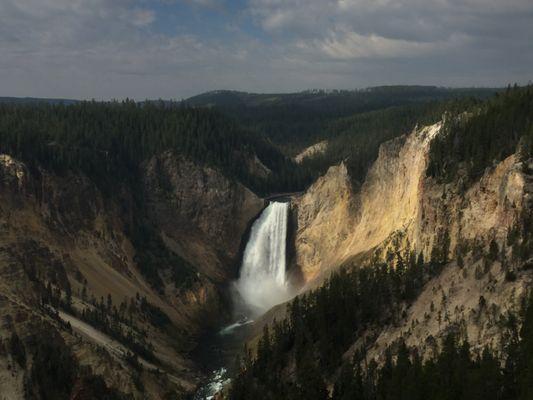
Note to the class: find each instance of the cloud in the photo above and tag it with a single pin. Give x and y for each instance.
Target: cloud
(474, 34)
(206, 3)
(351, 45)
(101, 49)
(176, 48)
(296, 16)
(141, 17)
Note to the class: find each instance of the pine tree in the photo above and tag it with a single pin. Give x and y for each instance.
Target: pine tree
(525, 379)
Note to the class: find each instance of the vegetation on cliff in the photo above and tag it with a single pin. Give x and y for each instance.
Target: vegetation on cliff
(322, 324)
(304, 356)
(296, 120)
(485, 135)
(356, 139)
(54, 372)
(354, 123)
(108, 141)
(323, 349)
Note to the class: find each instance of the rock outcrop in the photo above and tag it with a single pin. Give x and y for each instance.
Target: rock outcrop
(311, 151)
(325, 217)
(335, 222)
(199, 210)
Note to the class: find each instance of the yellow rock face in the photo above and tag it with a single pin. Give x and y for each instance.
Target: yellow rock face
(336, 222)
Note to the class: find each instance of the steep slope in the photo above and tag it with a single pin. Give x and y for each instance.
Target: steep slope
(397, 201)
(65, 245)
(401, 209)
(201, 208)
(422, 270)
(336, 222)
(399, 212)
(313, 150)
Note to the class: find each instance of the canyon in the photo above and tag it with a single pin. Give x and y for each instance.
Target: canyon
(77, 262)
(62, 228)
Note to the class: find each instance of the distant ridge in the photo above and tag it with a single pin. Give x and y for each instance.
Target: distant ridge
(36, 100)
(235, 98)
(398, 93)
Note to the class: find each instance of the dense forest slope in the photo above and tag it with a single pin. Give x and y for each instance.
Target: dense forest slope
(114, 248)
(108, 141)
(354, 123)
(432, 254)
(297, 120)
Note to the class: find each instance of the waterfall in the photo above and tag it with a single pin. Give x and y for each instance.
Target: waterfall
(262, 283)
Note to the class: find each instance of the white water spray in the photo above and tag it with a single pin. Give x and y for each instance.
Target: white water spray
(262, 282)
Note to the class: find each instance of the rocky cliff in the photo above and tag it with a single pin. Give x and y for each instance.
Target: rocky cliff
(311, 151)
(397, 201)
(400, 210)
(65, 245)
(199, 211)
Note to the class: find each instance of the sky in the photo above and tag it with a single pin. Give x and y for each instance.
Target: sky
(173, 49)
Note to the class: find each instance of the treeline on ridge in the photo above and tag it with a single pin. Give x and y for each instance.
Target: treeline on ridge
(294, 121)
(356, 139)
(484, 135)
(108, 141)
(354, 123)
(478, 134)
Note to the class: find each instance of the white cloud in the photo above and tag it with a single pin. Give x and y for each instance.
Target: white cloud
(300, 16)
(139, 17)
(112, 48)
(351, 45)
(343, 44)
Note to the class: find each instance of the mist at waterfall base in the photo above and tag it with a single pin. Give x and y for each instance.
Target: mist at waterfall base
(262, 281)
(261, 285)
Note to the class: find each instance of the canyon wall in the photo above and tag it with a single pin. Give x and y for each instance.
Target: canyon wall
(63, 232)
(200, 213)
(397, 201)
(400, 210)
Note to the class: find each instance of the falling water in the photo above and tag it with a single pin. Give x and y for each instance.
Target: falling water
(262, 282)
(261, 285)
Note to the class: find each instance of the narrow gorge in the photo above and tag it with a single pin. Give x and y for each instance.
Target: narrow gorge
(212, 265)
(261, 285)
